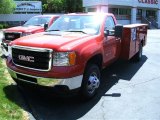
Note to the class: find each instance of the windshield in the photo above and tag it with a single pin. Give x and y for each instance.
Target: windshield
(37, 21)
(87, 24)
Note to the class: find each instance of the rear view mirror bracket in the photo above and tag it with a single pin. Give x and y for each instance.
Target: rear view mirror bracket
(45, 26)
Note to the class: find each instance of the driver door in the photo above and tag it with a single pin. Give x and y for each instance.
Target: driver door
(110, 42)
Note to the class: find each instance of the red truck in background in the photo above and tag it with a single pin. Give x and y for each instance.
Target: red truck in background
(72, 52)
(34, 25)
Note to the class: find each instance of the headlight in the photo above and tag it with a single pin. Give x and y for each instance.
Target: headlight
(1, 36)
(64, 58)
(27, 33)
(9, 51)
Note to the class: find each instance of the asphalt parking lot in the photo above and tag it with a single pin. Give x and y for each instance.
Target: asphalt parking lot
(129, 91)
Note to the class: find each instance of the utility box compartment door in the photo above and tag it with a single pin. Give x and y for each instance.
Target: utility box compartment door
(131, 39)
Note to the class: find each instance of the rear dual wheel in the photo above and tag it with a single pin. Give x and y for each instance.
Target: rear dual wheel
(138, 55)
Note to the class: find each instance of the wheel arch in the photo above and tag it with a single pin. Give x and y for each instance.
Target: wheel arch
(96, 59)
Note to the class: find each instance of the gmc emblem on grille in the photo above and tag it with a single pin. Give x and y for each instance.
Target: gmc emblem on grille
(26, 58)
(10, 36)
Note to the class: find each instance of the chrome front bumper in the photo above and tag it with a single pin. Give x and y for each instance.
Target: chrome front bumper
(72, 83)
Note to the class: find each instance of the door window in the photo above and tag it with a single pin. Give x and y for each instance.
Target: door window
(109, 23)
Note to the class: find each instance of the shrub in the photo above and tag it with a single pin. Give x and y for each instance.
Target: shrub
(1, 26)
(5, 26)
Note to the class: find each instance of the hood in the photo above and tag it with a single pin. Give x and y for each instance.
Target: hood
(24, 29)
(52, 40)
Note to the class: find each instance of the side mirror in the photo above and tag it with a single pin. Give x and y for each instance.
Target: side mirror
(118, 30)
(109, 33)
(45, 26)
(23, 22)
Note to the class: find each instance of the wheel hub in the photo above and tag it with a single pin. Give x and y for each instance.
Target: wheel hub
(93, 83)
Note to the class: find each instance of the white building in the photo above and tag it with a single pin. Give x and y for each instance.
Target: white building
(128, 11)
(24, 11)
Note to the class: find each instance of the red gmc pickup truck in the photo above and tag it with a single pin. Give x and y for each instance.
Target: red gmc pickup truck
(34, 25)
(72, 52)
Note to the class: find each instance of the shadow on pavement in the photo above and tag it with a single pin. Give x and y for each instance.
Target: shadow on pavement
(49, 107)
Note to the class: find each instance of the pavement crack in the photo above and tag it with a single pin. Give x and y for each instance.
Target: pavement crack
(140, 83)
(102, 106)
(147, 81)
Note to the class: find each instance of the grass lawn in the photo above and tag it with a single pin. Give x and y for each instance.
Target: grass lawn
(10, 98)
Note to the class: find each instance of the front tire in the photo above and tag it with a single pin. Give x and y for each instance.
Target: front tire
(91, 81)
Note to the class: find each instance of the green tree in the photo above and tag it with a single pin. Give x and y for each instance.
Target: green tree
(62, 6)
(7, 6)
(73, 6)
(51, 6)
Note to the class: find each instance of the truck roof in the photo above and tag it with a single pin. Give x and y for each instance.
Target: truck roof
(46, 15)
(91, 13)
(134, 25)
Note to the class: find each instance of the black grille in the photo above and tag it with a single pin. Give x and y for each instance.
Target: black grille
(12, 36)
(31, 59)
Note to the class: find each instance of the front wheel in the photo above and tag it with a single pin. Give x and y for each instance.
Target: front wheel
(91, 81)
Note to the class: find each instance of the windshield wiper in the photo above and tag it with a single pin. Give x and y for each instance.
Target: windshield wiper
(38, 25)
(76, 31)
(32, 25)
(52, 30)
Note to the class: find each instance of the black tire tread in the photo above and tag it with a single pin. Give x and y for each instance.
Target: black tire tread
(83, 92)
